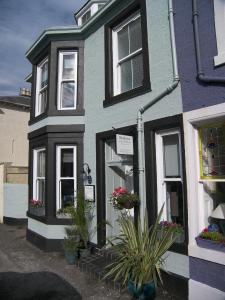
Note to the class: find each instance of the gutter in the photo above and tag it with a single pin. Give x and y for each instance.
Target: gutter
(141, 111)
(200, 72)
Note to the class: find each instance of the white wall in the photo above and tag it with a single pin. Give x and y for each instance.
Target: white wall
(200, 291)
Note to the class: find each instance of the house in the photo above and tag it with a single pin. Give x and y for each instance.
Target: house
(199, 27)
(127, 74)
(14, 116)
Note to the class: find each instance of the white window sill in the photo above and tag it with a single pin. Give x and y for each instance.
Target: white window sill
(206, 254)
(219, 59)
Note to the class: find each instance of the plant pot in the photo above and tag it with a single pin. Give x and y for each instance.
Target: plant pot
(84, 252)
(71, 257)
(128, 204)
(209, 244)
(146, 292)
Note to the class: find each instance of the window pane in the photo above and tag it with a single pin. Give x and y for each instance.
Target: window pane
(137, 71)
(123, 42)
(213, 151)
(44, 75)
(67, 163)
(126, 76)
(43, 101)
(171, 155)
(135, 35)
(68, 66)
(174, 202)
(67, 192)
(68, 89)
(41, 190)
(41, 163)
(86, 16)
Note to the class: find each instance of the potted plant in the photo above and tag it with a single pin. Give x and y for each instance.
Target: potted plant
(139, 254)
(121, 199)
(70, 245)
(79, 226)
(37, 207)
(211, 238)
(178, 228)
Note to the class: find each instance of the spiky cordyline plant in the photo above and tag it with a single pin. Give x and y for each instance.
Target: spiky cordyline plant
(139, 250)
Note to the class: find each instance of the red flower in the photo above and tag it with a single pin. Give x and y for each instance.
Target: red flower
(205, 229)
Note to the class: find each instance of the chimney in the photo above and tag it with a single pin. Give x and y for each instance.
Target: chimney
(25, 92)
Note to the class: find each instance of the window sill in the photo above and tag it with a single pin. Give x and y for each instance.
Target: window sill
(111, 100)
(206, 254)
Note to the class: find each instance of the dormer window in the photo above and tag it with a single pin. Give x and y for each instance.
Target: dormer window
(86, 16)
(41, 87)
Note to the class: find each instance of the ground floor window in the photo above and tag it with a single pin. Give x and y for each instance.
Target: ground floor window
(37, 204)
(66, 175)
(169, 175)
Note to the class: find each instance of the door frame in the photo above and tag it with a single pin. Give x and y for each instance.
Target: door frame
(101, 138)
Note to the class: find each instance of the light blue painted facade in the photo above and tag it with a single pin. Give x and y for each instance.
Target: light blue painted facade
(99, 119)
(15, 200)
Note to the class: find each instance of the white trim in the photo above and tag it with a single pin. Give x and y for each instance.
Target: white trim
(58, 172)
(196, 218)
(219, 10)
(39, 89)
(60, 79)
(161, 179)
(35, 177)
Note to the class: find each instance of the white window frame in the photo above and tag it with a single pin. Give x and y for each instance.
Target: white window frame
(196, 205)
(35, 177)
(89, 10)
(116, 61)
(219, 10)
(40, 89)
(60, 79)
(161, 179)
(58, 172)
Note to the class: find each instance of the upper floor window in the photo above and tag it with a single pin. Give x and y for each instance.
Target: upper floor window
(67, 80)
(219, 10)
(86, 16)
(41, 87)
(127, 55)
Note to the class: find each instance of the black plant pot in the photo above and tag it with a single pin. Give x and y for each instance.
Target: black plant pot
(146, 292)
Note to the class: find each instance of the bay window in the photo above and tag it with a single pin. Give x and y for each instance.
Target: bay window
(41, 87)
(169, 175)
(67, 80)
(127, 55)
(66, 175)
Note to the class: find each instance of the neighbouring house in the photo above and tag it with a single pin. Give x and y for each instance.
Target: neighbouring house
(122, 100)
(14, 116)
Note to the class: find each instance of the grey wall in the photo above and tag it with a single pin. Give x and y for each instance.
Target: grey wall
(15, 200)
(195, 93)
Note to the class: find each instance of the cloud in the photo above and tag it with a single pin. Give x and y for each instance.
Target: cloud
(21, 23)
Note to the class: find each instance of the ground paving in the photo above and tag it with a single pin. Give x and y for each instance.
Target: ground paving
(18, 255)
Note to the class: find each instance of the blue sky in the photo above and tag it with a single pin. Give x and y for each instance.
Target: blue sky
(21, 22)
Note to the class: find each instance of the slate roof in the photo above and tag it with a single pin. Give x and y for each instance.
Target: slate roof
(16, 100)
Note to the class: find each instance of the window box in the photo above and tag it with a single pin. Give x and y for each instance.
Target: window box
(37, 211)
(209, 244)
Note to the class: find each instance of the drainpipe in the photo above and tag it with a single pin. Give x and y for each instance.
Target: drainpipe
(167, 91)
(200, 73)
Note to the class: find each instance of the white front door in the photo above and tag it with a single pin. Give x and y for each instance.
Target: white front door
(118, 172)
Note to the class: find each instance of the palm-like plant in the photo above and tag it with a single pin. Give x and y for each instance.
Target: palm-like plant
(139, 250)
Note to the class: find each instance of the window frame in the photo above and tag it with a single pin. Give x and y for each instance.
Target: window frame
(35, 177)
(161, 178)
(116, 61)
(59, 178)
(40, 89)
(61, 80)
(110, 98)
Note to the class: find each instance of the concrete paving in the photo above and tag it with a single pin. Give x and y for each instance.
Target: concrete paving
(18, 255)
